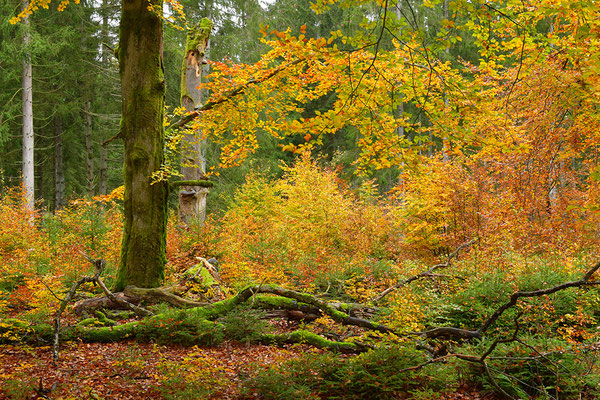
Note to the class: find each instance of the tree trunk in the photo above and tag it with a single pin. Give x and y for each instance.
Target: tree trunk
(103, 171)
(89, 146)
(142, 90)
(103, 162)
(192, 199)
(59, 177)
(28, 142)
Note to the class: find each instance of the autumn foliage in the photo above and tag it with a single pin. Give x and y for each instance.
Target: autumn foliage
(499, 152)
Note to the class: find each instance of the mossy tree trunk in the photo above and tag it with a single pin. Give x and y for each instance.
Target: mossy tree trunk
(142, 90)
(192, 199)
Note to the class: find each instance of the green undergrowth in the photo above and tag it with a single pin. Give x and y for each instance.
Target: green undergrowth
(374, 375)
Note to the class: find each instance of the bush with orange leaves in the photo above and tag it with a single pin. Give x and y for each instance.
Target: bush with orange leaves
(305, 230)
(40, 254)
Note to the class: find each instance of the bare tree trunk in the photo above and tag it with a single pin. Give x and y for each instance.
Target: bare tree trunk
(28, 141)
(145, 210)
(192, 199)
(445, 147)
(59, 177)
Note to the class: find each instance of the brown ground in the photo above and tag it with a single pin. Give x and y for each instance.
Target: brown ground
(130, 370)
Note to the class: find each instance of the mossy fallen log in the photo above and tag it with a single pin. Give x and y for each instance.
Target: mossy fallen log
(196, 325)
(307, 337)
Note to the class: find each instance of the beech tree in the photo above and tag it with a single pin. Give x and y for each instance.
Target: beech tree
(142, 92)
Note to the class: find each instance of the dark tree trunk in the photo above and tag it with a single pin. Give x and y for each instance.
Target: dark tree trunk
(59, 177)
(103, 162)
(142, 90)
(89, 147)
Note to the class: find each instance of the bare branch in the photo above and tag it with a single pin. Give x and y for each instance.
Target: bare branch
(514, 298)
(231, 94)
(424, 274)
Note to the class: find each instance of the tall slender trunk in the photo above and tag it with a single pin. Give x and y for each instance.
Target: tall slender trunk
(59, 177)
(142, 90)
(446, 140)
(103, 162)
(103, 171)
(400, 107)
(28, 141)
(89, 146)
(192, 199)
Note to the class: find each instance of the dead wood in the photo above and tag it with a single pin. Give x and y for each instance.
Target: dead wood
(99, 266)
(96, 303)
(514, 298)
(424, 274)
(161, 294)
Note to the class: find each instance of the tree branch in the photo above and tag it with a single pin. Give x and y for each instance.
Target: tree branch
(424, 274)
(230, 95)
(514, 298)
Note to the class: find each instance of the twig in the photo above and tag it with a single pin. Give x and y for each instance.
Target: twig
(514, 298)
(424, 274)
(50, 290)
(99, 267)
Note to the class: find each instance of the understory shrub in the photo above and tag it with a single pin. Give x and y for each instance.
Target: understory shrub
(305, 230)
(244, 324)
(377, 374)
(538, 367)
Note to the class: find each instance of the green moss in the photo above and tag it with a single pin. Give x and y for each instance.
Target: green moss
(187, 327)
(145, 204)
(103, 319)
(104, 334)
(198, 35)
(88, 322)
(198, 270)
(304, 336)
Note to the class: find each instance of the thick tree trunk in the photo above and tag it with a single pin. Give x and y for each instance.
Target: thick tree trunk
(142, 90)
(192, 199)
(59, 177)
(28, 142)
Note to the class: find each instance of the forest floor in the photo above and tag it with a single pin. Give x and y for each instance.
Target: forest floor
(131, 370)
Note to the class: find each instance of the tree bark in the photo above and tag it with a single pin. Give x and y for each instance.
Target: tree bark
(89, 146)
(28, 141)
(192, 199)
(142, 90)
(103, 162)
(59, 176)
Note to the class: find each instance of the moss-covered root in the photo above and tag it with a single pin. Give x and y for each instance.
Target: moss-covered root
(306, 298)
(306, 337)
(104, 334)
(13, 330)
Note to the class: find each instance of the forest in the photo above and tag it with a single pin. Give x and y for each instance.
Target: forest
(296, 199)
